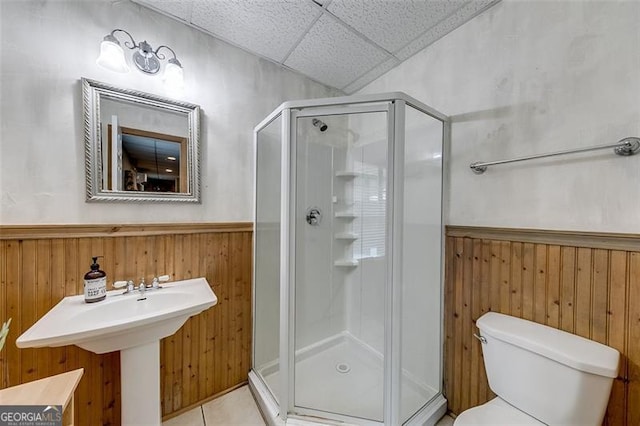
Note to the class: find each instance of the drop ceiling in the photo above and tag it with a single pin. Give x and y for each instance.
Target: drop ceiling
(344, 44)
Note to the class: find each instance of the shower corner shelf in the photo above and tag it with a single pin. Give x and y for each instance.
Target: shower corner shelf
(349, 263)
(348, 236)
(346, 215)
(349, 174)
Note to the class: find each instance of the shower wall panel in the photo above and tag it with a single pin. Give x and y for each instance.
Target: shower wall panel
(319, 298)
(367, 155)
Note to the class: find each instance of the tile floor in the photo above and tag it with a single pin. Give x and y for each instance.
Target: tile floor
(236, 408)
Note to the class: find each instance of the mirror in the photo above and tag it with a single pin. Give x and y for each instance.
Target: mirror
(139, 146)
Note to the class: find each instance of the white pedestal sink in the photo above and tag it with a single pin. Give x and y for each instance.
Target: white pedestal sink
(132, 324)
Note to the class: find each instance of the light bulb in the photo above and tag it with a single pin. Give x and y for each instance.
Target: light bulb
(173, 76)
(112, 56)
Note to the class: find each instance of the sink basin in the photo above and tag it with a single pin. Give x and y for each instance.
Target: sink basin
(130, 323)
(120, 321)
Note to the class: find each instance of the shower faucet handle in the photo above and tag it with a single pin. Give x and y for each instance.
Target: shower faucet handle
(314, 215)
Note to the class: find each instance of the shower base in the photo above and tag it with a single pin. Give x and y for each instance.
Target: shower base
(341, 375)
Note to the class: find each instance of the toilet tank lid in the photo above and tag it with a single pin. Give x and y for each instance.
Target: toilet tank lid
(566, 348)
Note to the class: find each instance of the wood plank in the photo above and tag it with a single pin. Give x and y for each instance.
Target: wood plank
(553, 286)
(4, 366)
(194, 359)
(13, 295)
(516, 279)
(58, 292)
(616, 336)
(169, 343)
(449, 295)
(528, 274)
(178, 383)
(28, 300)
(494, 278)
(457, 323)
(212, 331)
(467, 319)
(43, 300)
(568, 269)
(540, 284)
(505, 277)
(583, 293)
(85, 401)
(600, 300)
(476, 358)
(484, 392)
(246, 311)
(220, 286)
(633, 345)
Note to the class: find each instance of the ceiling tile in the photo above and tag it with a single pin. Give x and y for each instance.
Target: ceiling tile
(178, 8)
(332, 54)
(371, 75)
(392, 24)
(269, 28)
(444, 27)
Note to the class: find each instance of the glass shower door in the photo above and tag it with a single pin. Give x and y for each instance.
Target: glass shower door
(340, 263)
(266, 332)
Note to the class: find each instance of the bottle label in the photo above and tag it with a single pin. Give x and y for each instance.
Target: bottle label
(95, 288)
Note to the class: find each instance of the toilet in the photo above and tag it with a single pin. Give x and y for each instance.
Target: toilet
(541, 375)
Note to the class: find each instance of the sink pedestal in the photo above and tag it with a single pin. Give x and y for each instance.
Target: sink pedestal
(140, 385)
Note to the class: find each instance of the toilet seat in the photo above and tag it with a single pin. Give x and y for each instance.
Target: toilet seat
(495, 412)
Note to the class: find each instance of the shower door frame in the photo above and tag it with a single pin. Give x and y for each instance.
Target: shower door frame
(395, 104)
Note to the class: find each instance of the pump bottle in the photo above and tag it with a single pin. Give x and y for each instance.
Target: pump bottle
(95, 283)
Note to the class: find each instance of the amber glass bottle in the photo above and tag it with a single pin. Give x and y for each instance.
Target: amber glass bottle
(95, 283)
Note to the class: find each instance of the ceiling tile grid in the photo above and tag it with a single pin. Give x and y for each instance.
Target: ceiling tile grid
(345, 44)
(392, 24)
(332, 54)
(269, 28)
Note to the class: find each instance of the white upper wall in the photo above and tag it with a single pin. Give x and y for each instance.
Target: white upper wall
(47, 46)
(529, 77)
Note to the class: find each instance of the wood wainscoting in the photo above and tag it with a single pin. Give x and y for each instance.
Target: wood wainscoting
(39, 265)
(583, 283)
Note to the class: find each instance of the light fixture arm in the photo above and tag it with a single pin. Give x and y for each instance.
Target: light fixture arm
(161, 56)
(130, 45)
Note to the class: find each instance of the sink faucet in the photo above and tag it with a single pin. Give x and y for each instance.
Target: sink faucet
(142, 287)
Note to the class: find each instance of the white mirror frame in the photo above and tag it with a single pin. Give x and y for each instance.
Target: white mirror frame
(92, 91)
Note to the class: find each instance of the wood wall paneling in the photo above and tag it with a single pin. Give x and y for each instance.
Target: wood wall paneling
(588, 285)
(210, 354)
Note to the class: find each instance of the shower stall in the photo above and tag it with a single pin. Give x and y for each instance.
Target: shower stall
(348, 243)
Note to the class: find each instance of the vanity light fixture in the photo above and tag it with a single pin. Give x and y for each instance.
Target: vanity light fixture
(144, 57)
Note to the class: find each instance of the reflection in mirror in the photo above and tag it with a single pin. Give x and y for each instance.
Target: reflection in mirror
(139, 147)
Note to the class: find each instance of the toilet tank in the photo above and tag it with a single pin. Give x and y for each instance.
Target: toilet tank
(557, 377)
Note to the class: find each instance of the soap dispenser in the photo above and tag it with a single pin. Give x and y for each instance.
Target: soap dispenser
(95, 283)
